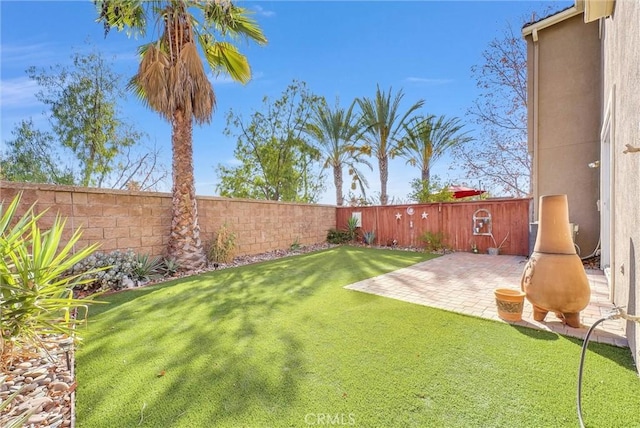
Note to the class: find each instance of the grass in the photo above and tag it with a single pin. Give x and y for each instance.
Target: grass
(283, 344)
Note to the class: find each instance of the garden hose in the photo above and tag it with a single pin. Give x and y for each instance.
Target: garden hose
(617, 312)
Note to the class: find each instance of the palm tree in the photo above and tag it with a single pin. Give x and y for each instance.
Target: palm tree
(172, 81)
(335, 132)
(383, 127)
(428, 138)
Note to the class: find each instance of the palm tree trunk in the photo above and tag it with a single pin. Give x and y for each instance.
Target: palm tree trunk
(383, 164)
(425, 174)
(184, 241)
(337, 180)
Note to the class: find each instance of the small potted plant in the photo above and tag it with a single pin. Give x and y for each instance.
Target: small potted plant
(474, 247)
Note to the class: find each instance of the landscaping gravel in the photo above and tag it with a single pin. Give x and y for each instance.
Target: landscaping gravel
(46, 386)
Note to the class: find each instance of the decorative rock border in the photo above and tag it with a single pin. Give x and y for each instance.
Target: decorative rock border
(46, 387)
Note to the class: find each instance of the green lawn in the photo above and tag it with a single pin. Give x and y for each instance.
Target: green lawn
(283, 344)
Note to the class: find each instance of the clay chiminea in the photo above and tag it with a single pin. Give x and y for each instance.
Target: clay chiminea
(554, 278)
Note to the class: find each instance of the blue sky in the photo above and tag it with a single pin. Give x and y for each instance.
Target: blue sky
(340, 49)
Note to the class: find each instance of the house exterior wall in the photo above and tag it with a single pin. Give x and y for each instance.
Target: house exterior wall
(621, 89)
(564, 83)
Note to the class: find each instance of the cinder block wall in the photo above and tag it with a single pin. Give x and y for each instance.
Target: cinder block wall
(141, 220)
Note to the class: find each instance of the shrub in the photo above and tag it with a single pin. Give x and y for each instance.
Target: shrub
(349, 234)
(104, 271)
(119, 269)
(434, 241)
(336, 236)
(296, 245)
(36, 288)
(222, 246)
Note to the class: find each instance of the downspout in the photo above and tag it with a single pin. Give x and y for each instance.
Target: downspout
(535, 137)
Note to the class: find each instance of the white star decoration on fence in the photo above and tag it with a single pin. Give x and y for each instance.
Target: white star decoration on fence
(425, 215)
(398, 216)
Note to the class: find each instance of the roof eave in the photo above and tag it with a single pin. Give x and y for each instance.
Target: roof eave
(576, 9)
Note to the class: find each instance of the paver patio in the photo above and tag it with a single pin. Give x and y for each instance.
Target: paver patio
(464, 283)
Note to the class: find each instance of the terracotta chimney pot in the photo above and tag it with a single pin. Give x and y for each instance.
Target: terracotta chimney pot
(554, 279)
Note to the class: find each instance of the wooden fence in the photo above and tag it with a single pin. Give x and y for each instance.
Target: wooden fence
(407, 223)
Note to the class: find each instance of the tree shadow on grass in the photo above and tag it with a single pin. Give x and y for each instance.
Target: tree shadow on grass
(212, 347)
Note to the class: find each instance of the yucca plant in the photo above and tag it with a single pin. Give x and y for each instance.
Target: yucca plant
(352, 228)
(36, 291)
(10, 237)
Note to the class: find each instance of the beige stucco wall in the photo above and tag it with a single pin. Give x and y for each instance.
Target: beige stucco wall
(621, 65)
(564, 83)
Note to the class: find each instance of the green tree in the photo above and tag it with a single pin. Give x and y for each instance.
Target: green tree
(432, 190)
(35, 156)
(88, 143)
(335, 133)
(83, 113)
(31, 157)
(383, 128)
(276, 161)
(427, 139)
(171, 80)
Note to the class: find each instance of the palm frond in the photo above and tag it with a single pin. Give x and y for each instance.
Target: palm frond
(121, 14)
(192, 85)
(223, 56)
(428, 138)
(230, 19)
(171, 74)
(150, 82)
(381, 122)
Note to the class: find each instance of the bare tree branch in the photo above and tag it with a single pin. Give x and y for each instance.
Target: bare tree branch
(499, 157)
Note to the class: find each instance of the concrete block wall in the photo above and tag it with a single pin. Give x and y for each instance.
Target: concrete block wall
(141, 220)
(262, 226)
